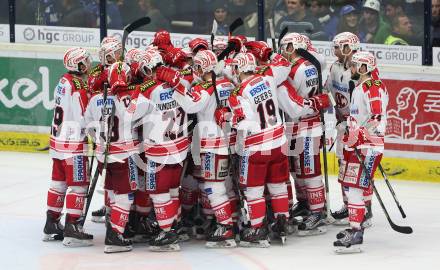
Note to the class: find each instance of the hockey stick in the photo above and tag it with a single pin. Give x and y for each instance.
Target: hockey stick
(213, 31)
(397, 228)
(308, 56)
(241, 200)
(231, 46)
(282, 34)
(130, 28)
(382, 171)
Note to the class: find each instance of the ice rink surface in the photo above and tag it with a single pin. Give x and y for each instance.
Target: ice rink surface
(24, 179)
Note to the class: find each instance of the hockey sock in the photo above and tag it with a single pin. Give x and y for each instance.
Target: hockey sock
(219, 201)
(300, 190)
(315, 194)
(75, 201)
(164, 209)
(204, 201)
(55, 198)
(256, 204)
(120, 211)
(279, 197)
(142, 203)
(289, 193)
(356, 207)
(174, 193)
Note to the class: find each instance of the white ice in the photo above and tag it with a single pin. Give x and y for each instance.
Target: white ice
(23, 187)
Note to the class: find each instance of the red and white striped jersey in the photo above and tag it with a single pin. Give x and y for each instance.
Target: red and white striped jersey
(303, 77)
(368, 109)
(123, 140)
(201, 100)
(164, 122)
(255, 101)
(67, 137)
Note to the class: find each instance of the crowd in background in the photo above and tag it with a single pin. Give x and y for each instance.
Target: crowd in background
(374, 21)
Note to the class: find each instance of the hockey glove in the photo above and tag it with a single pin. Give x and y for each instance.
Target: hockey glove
(319, 102)
(222, 115)
(169, 75)
(259, 49)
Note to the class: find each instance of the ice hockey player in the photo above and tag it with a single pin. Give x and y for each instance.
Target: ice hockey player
(206, 99)
(109, 52)
(260, 138)
(365, 134)
(68, 152)
(340, 84)
(121, 178)
(165, 146)
(304, 134)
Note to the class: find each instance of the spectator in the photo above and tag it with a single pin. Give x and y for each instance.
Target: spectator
(241, 8)
(158, 20)
(114, 20)
(4, 13)
(129, 11)
(376, 30)
(393, 8)
(220, 9)
(435, 5)
(300, 21)
(402, 31)
(349, 21)
(329, 22)
(74, 15)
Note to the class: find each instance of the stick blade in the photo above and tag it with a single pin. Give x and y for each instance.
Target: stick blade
(136, 24)
(401, 229)
(235, 24)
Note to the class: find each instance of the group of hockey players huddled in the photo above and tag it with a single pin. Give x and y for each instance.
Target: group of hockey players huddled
(193, 146)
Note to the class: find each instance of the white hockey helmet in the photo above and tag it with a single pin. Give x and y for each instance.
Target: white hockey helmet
(112, 49)
(245, 62)
(109, 39)
(206, 60)
(297, 41)
(76, 56)
(308, 42)
(364, 58)
(133, 55)
(219, 44)
(349, 39)
(149, 61)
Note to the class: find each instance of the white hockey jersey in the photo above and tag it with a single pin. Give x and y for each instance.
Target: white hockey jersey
(164, 122)
(255, 100)
(338, 83)
(201, 100)
(303, 77)
(123, 140)
(368, 109)
(67, 137)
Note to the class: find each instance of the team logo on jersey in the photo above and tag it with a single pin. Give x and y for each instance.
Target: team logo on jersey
(132, 174)
(132, 107)
(61, 90)
(150, 176)
(78, 169)
(309, 162)
(258, 89)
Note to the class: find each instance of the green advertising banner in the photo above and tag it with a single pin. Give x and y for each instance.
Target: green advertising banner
(27, 89)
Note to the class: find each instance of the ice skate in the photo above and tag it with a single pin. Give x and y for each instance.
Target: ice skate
(351, 242)
(221, 237)
(203, 229)
(255, 237)
(146, 230)
(299, 209)
(115, 242)
(313, 225)
(341, 216)
(292, 225)
(165, 241)
(74, 235)
(279, 228)
(131, 226)
(181, 231)
(98, 216)
(53, 229)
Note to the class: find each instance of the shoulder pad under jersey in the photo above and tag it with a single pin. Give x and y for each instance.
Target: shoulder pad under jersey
(146, 85)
